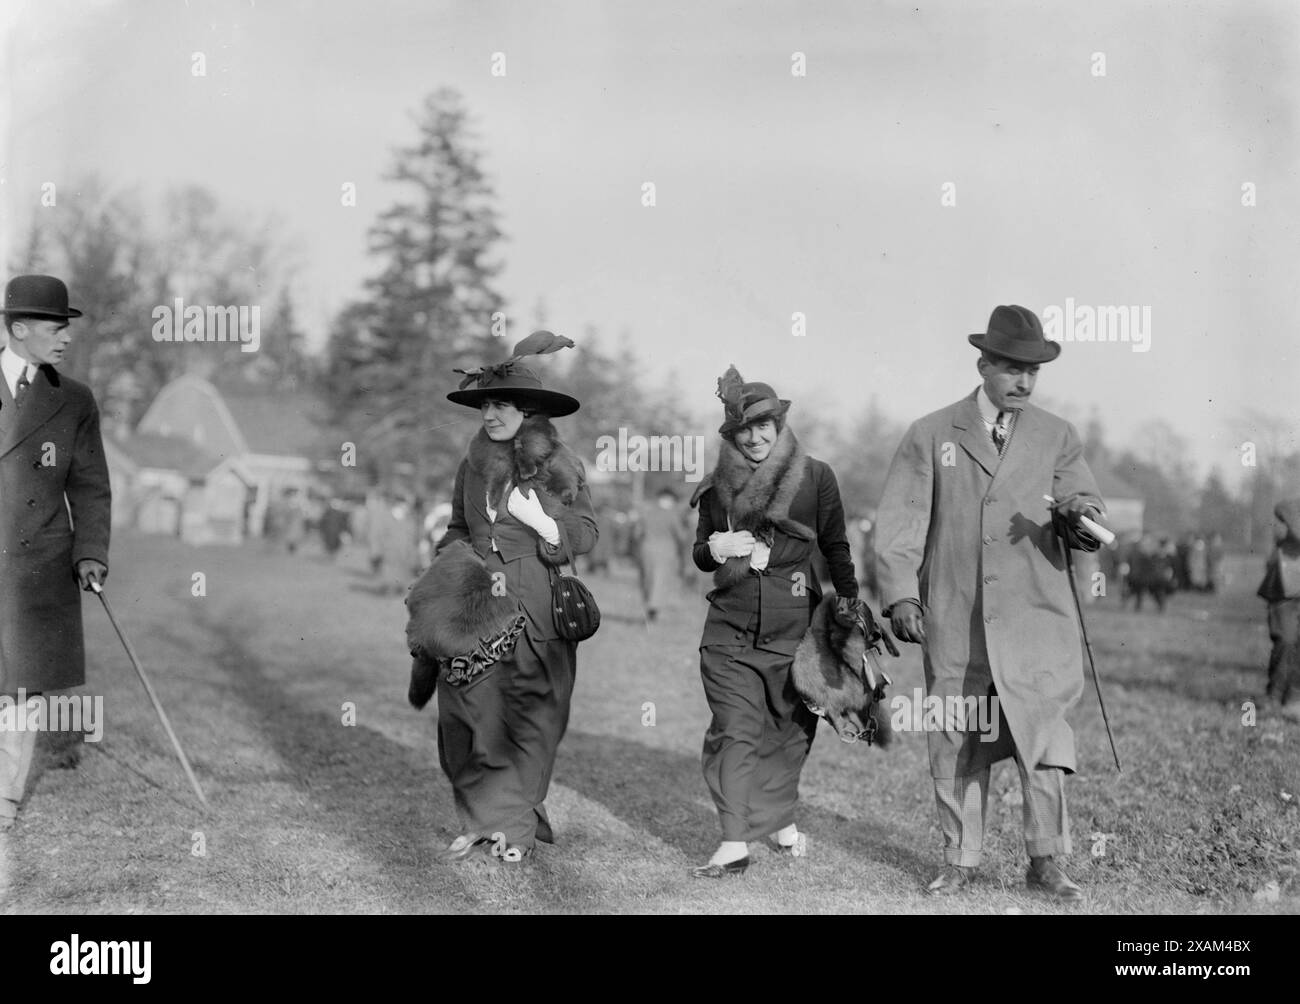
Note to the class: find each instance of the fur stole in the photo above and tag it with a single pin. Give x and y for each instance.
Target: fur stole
(535, 454)
(451, 607)
(827, 672)
(758, 499)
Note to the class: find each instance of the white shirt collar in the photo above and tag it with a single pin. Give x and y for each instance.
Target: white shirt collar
(988, 410)
(12, 364)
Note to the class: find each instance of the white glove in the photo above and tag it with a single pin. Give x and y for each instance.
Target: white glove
(758, 560)
(730, 544)
(528, 510)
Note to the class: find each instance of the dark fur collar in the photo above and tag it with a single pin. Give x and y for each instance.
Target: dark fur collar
(758, 499)
(535, 454)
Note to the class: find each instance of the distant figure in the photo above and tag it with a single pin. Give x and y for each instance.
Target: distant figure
(596, 560)
(333, 525)
(1214, 561)
(1198, 566)
(1151, 572)
(658, 554)
(292, 519)
(1281, 591)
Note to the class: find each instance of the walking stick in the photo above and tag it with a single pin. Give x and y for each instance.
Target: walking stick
(1083, 630)
(148, 687)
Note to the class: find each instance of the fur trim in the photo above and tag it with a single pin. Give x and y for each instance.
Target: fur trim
(452, 605)
(827, 672)
(535, 454)
(758, 499)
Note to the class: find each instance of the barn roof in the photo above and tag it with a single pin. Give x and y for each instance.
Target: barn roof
(168, 453)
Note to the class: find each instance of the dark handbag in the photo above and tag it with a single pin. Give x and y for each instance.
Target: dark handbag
(574, 609)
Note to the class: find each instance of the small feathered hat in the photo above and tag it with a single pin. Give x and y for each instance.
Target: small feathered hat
(511, 380)
(745, 403)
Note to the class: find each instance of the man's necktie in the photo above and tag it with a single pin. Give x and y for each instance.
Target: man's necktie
(1000, 432)
(23, 384)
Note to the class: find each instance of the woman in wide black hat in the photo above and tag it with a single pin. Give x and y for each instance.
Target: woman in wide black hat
(763, 509)
(516, 490)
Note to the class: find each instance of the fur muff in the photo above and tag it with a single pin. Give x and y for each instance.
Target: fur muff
(758, 499)
(534, 454)
(827, 672)
(450, 608)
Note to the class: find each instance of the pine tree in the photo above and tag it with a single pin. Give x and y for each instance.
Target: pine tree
(429, 308)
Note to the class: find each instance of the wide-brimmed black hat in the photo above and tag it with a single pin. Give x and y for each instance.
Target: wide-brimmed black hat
(38, 296)
(1016, 333)
(511, 380)
(745, 403)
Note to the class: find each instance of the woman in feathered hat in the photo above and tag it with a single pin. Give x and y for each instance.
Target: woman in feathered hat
(764, 508)
(516, 489)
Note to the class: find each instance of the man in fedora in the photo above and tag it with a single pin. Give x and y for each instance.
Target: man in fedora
(971, 568)
(54, 512)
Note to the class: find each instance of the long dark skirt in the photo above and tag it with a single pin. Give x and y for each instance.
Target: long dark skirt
(498, 736)
(757, 742)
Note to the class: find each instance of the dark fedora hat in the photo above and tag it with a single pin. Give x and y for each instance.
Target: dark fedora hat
(746, 403)
(517, 383)
(38, 296)
(1016, 333)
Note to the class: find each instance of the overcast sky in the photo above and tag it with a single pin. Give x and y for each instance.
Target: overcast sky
(776, 194)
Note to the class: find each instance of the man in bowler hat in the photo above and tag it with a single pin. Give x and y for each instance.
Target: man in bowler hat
(54, 512)
(971, 568)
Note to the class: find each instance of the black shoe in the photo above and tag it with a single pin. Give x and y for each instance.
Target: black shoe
(464, 847)
(712, 871)
(1045, 875)
(953, 878)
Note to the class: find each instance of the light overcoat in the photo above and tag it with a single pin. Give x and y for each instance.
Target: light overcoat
(969, 534)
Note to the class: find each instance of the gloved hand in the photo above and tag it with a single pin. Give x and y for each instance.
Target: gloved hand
(730, 544)
(528, 510)
(89, 568)
(846, 610)
(1073, 509)
(907, 621)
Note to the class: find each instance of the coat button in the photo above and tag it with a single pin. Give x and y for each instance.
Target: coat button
(30, 503)
(988, 539)
(989, 501)
(988, 619)
(23, 542)
(990, 578)
(36, 464)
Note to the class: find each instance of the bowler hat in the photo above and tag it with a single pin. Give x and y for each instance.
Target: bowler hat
(1016, 333)
(38, 296)
(746, 403)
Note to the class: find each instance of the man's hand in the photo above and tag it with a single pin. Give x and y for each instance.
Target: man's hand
(1076, 508)
(730, 544)
(907, 621)
(89, 569)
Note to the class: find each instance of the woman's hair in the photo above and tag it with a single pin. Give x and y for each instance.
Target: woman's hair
(524, 408)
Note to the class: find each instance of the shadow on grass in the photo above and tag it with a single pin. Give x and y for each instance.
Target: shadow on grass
(663, 793)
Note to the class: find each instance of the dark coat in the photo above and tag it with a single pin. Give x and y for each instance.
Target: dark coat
(968, 535)
(51, 465)
(539, 462)
(778, 602)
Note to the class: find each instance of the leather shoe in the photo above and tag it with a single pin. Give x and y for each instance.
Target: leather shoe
(712, 871)
(953, 878)
(464, 847)
(1045, 875)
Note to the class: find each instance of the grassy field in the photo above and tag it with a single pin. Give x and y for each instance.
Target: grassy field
(312, 815)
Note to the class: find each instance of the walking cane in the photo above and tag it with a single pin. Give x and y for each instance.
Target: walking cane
(148, 687)
(1083, 628)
